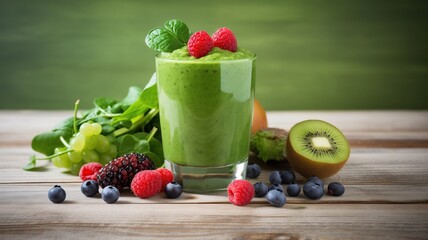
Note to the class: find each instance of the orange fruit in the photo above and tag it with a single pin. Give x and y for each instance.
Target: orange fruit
(259, 117)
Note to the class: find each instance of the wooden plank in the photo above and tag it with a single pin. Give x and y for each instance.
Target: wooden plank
(365, 166)
(362, 128)
(386, 192)
(18, 193)
(213, 221)
(357, 121)
(376, 166)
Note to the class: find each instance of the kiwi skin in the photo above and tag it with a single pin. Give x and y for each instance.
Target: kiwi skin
(307, 167)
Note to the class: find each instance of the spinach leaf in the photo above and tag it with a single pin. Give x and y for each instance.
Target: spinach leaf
(133, 94)
(155, 144)
(46, 142)
(155, 159)
(141, 142)
(104, 103)
(149, 96)
(147, 99)
(142, 146)
(174, 35)
(127, 144)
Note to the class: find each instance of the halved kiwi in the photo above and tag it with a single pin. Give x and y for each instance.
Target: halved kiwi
(316, 148)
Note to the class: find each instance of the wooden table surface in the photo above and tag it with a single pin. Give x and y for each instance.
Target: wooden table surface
(386, 180)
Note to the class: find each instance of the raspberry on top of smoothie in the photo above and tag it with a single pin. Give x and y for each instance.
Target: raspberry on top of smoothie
(174, 41)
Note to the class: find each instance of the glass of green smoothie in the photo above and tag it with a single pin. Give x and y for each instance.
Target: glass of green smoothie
(206, 107)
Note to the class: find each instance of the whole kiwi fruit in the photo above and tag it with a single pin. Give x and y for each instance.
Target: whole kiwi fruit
(316, 148)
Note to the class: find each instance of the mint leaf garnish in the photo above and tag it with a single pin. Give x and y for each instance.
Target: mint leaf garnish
(179, 28)
(172, 36)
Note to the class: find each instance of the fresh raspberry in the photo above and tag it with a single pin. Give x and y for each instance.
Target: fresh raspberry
(167, 176)
(240, 192)
(146, 183)
(199, 44)
(225, 39)
(89, 171)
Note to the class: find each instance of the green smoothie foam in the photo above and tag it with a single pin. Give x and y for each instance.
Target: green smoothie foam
(215, 54)
(206, 106)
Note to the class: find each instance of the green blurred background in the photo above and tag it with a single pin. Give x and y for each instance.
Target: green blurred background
(311, 54)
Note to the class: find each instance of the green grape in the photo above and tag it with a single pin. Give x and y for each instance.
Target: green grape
(103, 144)
(105, 158)
(96, 128)
(112, 151)
(56, 161)
(78, 142)
(75, 168)
(58, 150)
(91, 142)
(60, 161)
(90, 156)
(111, 138)
(65, 161)
(86, 129)
(75, 156)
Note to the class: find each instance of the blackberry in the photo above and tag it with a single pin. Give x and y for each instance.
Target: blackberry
(120, 171)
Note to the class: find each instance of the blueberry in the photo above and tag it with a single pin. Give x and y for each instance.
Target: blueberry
(313, 190)
(56, 194)
(293, 190)
(173, 190)
(276, 186)
(253, 170)
(110, 194)
(276, 197)
(287, 177)
(335, 189)
(275, 177)
(260, 189)
(89, 188)
(316, 180)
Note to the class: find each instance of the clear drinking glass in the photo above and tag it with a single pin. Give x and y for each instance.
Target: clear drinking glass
(206, 110)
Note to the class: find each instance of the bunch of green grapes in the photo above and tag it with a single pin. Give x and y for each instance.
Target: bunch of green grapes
(88, 145)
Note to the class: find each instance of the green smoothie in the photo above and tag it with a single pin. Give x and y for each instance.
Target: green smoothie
(206, 109)
(206, 106)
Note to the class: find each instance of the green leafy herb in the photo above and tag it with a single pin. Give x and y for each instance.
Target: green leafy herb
(148, 99)
(142, 142)
(124, 122)
(46, 142)
(31, 163)
(172, 36)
